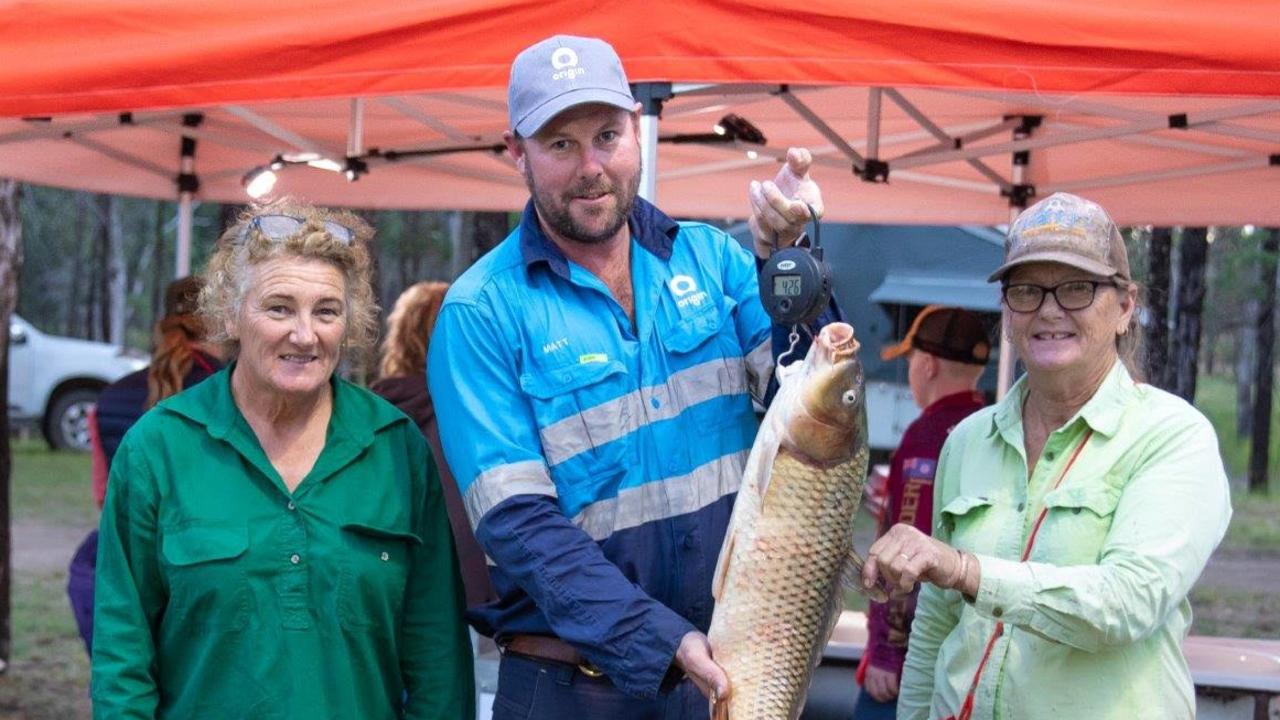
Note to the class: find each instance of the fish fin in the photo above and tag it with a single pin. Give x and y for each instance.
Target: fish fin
(722, 564)
(719, 710)
(852, 578)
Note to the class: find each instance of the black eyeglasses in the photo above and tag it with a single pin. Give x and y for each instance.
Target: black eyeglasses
(282, 227)
(1070, 295)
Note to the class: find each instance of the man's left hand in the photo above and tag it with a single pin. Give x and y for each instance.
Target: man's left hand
(778, 205)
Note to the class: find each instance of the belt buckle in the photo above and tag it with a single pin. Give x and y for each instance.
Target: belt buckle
(589, 670)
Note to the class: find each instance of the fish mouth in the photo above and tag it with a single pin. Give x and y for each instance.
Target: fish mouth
(837, 338)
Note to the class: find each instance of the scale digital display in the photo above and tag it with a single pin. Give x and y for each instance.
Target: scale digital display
(786, 285)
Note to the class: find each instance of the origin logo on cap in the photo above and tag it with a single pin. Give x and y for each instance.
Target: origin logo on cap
(561, 72)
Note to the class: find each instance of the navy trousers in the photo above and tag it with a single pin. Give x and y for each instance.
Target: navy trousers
(80, 587)
(533, 689)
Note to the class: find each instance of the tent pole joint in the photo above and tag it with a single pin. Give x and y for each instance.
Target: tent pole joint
(1019, 194)
(872, 171)
(652, 96)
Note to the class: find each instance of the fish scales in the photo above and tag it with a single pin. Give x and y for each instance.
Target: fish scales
(779, 586)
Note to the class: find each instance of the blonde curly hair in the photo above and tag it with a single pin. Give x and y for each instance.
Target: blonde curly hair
(227, 275)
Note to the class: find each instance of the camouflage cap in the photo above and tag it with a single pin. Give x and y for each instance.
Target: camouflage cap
(1067, 229)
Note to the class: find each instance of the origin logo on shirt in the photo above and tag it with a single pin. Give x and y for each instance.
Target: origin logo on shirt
(686, 291)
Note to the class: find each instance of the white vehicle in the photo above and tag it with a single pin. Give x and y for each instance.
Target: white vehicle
(54, 381)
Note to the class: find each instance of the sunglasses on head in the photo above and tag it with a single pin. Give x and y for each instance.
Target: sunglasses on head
(282, 227)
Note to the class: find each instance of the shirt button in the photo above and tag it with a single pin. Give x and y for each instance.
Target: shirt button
(292, 506)
(689, 542)
(1050, 455)
(1021, 506)
(997, 611)
(295, 558)
(385, 556)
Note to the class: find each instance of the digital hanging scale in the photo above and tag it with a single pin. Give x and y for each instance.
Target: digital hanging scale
(795, 283)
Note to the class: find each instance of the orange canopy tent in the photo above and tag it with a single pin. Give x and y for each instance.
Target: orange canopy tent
(1165, 111)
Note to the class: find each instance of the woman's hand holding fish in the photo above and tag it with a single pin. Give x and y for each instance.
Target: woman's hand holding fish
(904, 556)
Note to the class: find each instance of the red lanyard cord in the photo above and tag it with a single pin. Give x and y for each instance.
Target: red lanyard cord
(966, 710)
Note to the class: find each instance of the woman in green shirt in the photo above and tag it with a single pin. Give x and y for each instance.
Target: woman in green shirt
(274, 542)
(1072, 517)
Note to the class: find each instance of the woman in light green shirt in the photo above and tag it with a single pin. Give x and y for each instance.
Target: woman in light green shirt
(1072, 517)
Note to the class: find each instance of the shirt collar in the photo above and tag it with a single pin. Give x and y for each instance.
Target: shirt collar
(651, 229)
(210, 403)
(1102, 413)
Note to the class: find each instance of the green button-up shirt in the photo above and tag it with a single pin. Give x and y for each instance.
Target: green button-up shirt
(1094, 620)
(220, 594)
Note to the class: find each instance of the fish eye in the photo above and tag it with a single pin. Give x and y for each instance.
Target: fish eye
(849, 397)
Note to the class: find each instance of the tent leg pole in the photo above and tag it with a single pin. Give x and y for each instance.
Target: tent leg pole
(1019, 193)
(188, 185)
(651, 96)
(182, 261)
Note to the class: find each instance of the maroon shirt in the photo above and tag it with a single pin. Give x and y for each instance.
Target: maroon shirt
(910, 490)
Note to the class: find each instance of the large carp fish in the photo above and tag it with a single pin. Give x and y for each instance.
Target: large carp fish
(789, 550)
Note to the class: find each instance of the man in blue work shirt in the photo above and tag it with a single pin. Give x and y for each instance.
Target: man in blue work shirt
(593, 377)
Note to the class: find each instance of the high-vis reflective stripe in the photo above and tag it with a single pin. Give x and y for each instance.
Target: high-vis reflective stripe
(505, 481)
(616, 418)
(668, 498)
(760, 368)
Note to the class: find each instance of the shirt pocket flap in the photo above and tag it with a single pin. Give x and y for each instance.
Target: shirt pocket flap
(382, 533)
(1101, 501)
(959, 506)
(690, 332)
(204, 543)
(549, 384)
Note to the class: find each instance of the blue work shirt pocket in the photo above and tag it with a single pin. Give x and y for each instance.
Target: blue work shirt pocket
(584, 412)
(208, 585)
(375, 572)
(706, 375)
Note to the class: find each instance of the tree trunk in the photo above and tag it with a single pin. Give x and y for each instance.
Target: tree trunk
(1158, 276)
(1193, 254)
(102, 309)
(1260, 447)
(488, 229)
(10, 267)
(1246, 345)
(159, 278)
(73, 320)
(116, 276)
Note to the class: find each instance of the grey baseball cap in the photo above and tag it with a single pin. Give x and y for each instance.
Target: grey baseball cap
(560, 72)
(1067, 229)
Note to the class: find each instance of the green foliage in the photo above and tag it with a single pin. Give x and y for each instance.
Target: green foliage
(1216, 398)
(62, 278)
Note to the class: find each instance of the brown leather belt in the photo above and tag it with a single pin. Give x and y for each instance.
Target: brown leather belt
(554, 649)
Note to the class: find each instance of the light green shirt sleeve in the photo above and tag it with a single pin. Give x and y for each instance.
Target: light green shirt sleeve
(1172, 513)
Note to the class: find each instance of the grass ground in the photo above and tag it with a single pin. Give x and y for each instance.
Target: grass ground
(48, 677)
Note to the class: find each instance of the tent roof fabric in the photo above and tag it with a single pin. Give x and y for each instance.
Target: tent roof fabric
(92, 56)
(1164, 111)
